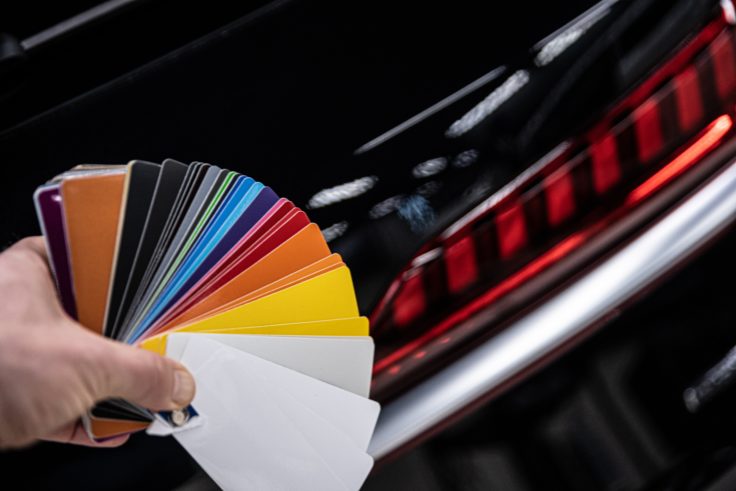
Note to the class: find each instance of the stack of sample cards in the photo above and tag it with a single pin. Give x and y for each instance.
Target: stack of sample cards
(212, 268)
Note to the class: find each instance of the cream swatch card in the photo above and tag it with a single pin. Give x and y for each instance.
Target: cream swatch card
(342, 361)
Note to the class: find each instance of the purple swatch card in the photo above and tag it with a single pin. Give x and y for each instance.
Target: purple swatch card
(51, 217)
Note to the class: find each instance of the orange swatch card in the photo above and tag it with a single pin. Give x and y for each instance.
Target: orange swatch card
(304, 248)
(92, 207)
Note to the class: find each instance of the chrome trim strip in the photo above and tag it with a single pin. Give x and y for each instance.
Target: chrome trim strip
(566, 315)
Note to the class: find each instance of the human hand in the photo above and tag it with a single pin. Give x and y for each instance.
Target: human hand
(52, 370)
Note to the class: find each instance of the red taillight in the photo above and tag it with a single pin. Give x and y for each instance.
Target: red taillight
(663, 127)
(710, 138)
(559, 196)
(461, 265)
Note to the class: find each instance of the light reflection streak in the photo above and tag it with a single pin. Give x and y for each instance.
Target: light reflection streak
(549, 48)
(466, 158)
(385, 207)
(432, 110)
(335, 230)
(342, 192)
(487, 106)
(429, 167)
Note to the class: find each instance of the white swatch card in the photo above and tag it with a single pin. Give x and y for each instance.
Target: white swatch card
(342, 361)
(265, 426)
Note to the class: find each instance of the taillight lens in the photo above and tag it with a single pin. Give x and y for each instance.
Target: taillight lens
(661, 128)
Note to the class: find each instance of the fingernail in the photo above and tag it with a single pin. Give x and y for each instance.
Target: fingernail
(183, 387)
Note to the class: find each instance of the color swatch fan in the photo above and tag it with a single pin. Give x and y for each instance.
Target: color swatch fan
(212, 268)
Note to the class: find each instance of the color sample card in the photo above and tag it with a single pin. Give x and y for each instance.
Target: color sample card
(317, 431)
(140, 176)
(214, 269)
(51, 218)
(92, 210)
(342, 361)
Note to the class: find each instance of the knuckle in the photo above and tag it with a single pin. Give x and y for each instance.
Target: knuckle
(21, 266)
(27, 242)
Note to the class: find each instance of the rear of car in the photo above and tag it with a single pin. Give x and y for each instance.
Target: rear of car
(507, 184)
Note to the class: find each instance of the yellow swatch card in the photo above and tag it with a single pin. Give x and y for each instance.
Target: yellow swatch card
(328, 296)
(354, 326)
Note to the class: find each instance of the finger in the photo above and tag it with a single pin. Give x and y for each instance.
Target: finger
(35, 244)
(74, 433)
(26, 264)
(34, 256)
(145, 378)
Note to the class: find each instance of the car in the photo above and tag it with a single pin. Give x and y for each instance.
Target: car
(535, 201)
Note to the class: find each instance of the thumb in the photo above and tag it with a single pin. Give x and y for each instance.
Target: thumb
(139, 376)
